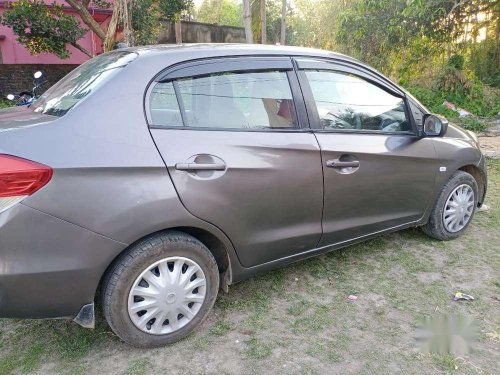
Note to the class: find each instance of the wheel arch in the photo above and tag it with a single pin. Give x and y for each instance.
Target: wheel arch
(480, 178)
(214, 244)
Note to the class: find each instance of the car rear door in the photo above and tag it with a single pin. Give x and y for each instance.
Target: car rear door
(232, 135)
(378, 173)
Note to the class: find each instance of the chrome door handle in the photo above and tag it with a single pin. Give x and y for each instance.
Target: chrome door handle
(200, 167)
(342, 164)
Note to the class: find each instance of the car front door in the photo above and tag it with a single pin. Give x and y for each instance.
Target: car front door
(378, 173)
(232, 137)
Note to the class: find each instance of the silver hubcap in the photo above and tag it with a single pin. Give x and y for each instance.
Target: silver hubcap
(459, 208)
(167, 295)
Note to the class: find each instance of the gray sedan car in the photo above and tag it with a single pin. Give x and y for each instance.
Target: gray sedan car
(158, 175)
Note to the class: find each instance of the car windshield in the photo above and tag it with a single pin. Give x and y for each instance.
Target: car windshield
(82, 81)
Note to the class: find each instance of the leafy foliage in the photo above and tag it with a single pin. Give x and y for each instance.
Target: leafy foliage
(453, 78)
(5, 103)
(42, 29)
(145, 21)
(432, 45)
(172, 9)
(471, 123)
(484, 60)
(222, 12)
(273, 20)
(314, 26)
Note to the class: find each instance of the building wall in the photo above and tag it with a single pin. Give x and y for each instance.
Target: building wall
(197, 32)
(15, 78)
(11, 52)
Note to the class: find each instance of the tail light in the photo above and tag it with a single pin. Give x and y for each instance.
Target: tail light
(20, 178)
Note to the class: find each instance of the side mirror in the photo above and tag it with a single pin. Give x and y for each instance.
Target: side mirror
(10, 97)
(434, 126)
(38, 74)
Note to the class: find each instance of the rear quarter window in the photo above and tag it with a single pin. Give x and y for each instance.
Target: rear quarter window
(81, 82)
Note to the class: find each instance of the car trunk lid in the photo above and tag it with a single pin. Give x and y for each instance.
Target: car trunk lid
(21, 117)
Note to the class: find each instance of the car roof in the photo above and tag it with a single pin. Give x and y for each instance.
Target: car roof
(186, 52)
(228, 49)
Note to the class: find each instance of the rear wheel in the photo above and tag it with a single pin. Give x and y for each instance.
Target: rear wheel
(454, 208)
(160, 289)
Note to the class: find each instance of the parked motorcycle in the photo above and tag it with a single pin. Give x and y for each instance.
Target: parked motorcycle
(25, 98)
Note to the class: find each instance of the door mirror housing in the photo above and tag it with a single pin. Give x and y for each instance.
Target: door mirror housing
(11, 97)
(434, 126)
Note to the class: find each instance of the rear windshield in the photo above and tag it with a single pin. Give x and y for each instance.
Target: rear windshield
(82, 81)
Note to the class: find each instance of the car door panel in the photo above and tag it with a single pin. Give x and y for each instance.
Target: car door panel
(391, 187)
(375, 179)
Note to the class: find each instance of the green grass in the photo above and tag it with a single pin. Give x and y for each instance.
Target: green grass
(258, 349)
(221, 328)
(298, 320)
(138, 367)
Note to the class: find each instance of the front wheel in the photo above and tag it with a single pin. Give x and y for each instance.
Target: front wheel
(454, 208)
(160, 290)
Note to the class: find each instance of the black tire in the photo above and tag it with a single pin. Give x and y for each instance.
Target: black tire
(127, 268)
(435, 227)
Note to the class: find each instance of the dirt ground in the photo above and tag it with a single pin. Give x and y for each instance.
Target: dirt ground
(490, 146)
(298, 320)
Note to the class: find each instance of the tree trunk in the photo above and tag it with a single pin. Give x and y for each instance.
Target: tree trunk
(178, 32)
(283, 24)
(127, 23)
(87, 18)
(109, 40)
(263, 22)
(247, 20)
(496, 54)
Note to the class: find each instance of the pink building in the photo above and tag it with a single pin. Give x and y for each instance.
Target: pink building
(11, 52)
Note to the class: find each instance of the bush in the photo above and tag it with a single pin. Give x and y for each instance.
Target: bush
(5, 103)
(484, 62)
(432, 99)
(471, 123)
(482, 101)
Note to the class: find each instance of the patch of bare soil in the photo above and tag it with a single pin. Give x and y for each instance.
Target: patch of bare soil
(490, 146)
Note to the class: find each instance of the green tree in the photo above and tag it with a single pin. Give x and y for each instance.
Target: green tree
(315, 26)
(273, 13)
(43, 29)
(222, 12)
(145, 21)
(374, 30)
(172, 10)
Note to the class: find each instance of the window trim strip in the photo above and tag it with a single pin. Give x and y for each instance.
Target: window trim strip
(220, 65)
(180, 103)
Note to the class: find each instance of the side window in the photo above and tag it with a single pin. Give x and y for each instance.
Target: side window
(232, 100)
(347, 102)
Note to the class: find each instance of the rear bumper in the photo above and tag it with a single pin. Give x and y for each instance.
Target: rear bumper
(49, 267)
